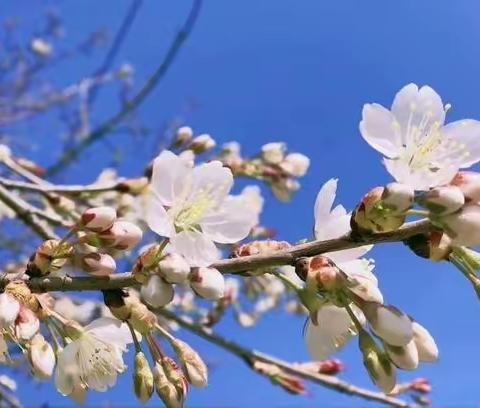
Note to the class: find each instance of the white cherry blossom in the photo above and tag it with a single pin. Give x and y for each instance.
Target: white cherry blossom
(94, 358)
(191, 206)
(419, 149)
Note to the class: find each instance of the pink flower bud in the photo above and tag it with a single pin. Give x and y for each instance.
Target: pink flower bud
(443, 200)
(122, 235)
(390, 324)
(42, 357)
(398, 197)
(421, 385)
(463, 226)
(156, 292)
(99, 264)
(469, 183)
(174, 268)
(404, 357)
(208, 283)
(98, 219)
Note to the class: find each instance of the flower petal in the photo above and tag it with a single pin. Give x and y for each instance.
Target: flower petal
(170, 174)
(466, 137)
(197, 248)
(156, 216)
(380, 129)
(324, 202)
(67, 374)
(111, 331)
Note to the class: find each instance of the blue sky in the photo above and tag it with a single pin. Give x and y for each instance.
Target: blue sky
(296, 71)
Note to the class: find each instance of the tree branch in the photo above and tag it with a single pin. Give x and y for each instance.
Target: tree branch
(235, 265)
(130, 106)
(327, 381)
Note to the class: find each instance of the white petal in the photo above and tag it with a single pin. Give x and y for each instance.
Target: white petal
(111, 331)
(66, 374)
(170, 175)
(197, 248)
(156, 216)
(211, 179)
(229, 223)
(380, 129)
(412, 104)
(466, 134)
(324, 202)
(332, 332)
(10, 308)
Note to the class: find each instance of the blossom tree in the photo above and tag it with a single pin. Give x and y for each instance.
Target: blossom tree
(173, 249)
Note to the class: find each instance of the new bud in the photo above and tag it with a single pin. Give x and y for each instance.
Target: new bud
(208, 283)
(41, 357)
(193, 365)
(404, 357)
(165, 389)
(49, 257)
(98, 219)
(323, 274)
(175, 376)
(425, 344)
(443, 200)
(202, 144)
(122, 235)
(26, 324)
(463, 226)
(295, 164)
(273, 153)
(398, 197)
(174, 268)
(390, 324)
(469, 183)
(142, 378)
(380, 369)
(10, 308)
(183, 136)
(156, 292)
(99, 264)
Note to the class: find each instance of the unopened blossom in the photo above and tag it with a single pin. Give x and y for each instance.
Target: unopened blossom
(419, 149)
(208, 283)
(10, 308)
(142, 378)
(274, 152)
(26, 324)
(156, 292)
(94, 357)
(190, 206)
(443, 200)
(390, 324)
(295, 164)
(98, 219)
(165, 389)
(193, 365)
(425, 344)
(463, 227)
(122, 235)
(98, 264)
(41, 357)
(398, 197)
(183, 136)
(174, 268)
(404, 357)
(469, 183)
(202, 143)
(41, 47)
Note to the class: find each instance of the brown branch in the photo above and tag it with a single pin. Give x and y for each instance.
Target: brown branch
(235, 265)
(105, 128)
(327, 381)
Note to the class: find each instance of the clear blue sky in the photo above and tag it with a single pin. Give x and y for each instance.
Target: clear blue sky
(297, 71)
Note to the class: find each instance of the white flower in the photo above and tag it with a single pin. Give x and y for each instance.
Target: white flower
(420, 150)
(190, 206)
(81, 313)
(94, 359)
(9, 309)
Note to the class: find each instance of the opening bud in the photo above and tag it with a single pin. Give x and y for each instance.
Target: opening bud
(142, 319)
(193, 365)
(26, 324)
(142, 378)
(273, 153)
(443, 200)
(49, 257)
(295, 164)
(99, 264)
(425, 344)
(398, 197)
(41, 357)
(175, 376)
(174, 268)
(122, 235)
(165, 389)
(156, 292)
(98, 219)
(183, 136)
(469, 183)
(404, 357)
(208, 283)
(202, 144)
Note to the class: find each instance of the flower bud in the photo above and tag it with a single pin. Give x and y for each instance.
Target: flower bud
(277, 376)
(208, 283)
(146, 263)
(404, 357)
(122, 235)
(193, 365)
(183, 136)
(165, 389)
(463, 226)
(142, 319)
(202, 144)
(26, 324)
(175, 376)
(284, 189)
(41, 357)
(443, 200)
(295, 164)
(390, 324)
(41, 47)
(261, 247)
(10, 308)
(380, 369)
(142, 378)
(99, 264)
(425, 344)
(49, 257)
(421, 385)
(323, 274)
(328, 367)
(174, 268)
(398, 197)
(273, 153)
(469, 183)
(98, 219)
(156, 292)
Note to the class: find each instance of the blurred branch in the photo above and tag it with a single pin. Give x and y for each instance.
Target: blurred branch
(235, 265)
(249, 356)
(105, 128)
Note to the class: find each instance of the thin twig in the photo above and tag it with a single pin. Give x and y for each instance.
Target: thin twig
(327, 381)
(105, 128)
(235, 265)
